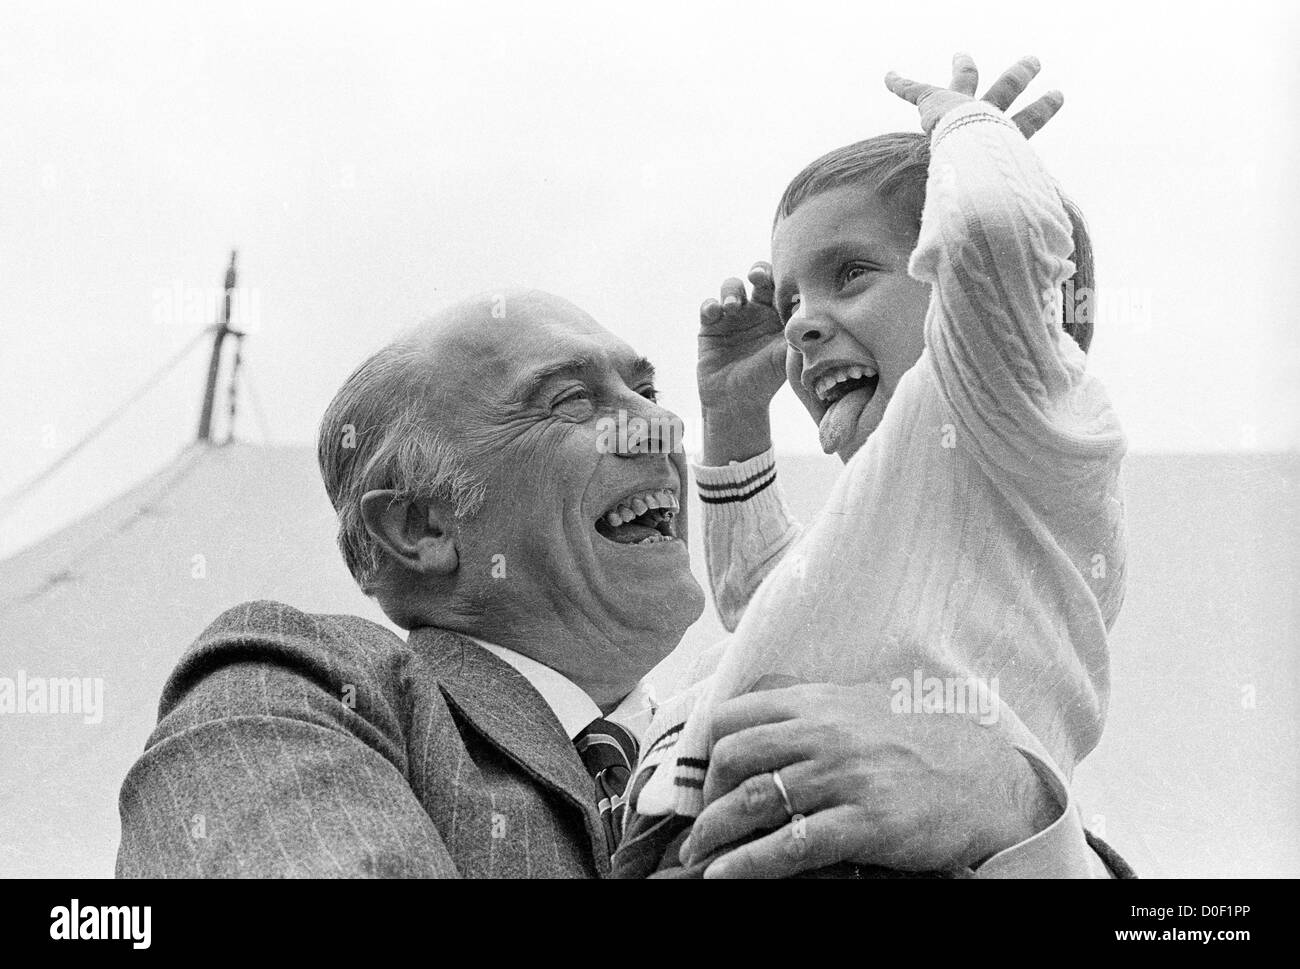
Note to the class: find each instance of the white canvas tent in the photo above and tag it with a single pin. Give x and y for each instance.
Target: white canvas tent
(118, 596)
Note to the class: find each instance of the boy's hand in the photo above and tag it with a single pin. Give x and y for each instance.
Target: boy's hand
(741, 345)
(741, 367)
(935, 102)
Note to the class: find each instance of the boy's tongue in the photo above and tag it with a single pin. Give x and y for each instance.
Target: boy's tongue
(841, 420)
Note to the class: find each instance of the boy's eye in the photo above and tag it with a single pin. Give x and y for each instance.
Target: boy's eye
(853, 271)
(792, 306)
(648, 392)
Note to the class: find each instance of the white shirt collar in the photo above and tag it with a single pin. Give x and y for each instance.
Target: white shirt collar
(570, 703)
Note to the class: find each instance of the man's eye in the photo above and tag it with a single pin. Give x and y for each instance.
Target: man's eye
(649, 393)
(573, 396)
(792, 306)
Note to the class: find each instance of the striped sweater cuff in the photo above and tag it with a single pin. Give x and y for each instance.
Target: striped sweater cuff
(971, 113)
(738, 481)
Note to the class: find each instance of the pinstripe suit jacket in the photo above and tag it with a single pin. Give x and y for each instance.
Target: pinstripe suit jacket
(291, 744)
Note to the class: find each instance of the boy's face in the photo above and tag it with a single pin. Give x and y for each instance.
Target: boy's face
(854, 318)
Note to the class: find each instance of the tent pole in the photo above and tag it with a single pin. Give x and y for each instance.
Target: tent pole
(214, 365)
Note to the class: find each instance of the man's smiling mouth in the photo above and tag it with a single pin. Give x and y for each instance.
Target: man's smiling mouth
(641, 518)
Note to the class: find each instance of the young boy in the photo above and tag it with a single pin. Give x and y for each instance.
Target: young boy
(976, 535)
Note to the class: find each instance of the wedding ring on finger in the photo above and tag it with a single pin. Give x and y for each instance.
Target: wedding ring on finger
(785, 797)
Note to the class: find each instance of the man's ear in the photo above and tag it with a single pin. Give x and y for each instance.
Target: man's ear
(421, 535)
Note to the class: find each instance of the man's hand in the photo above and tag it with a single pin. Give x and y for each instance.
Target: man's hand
(741, 367)
(934, 102)
(916, 792)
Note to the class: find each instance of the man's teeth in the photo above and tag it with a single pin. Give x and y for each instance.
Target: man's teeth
(838, 376)
(634, 506)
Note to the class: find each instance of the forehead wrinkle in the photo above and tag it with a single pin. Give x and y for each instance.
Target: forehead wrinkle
(537, 378)
(585, 362)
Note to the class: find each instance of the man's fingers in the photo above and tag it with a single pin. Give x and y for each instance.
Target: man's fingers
(807, 842)
(760, 277)
(965, 75)
(1012, 83)
(752, 806)
(1031, 120)
(732, 295)
(710, 312)
(747, 753)
(752, 709)
(906, 88)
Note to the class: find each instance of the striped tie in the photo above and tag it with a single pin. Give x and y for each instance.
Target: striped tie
(609, 752)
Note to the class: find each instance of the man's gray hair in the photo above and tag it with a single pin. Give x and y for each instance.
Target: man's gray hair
(379, 433)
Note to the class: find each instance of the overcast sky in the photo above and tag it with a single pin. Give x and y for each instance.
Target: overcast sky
(373, 163)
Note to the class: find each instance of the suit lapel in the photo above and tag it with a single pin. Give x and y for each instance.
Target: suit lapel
(503, 706)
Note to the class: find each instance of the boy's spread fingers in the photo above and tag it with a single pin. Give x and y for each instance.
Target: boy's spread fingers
(760, 277)
(906, 89)
(1012, 83)
(732, 294)
(1032, 119)
(710, 311)
(965, 75)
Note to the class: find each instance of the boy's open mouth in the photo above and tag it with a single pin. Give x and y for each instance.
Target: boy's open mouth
(845, 391)
(841, 390)
(642, 518)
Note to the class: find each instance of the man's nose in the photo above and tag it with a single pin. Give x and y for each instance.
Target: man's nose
(649, 429)
(807, 327)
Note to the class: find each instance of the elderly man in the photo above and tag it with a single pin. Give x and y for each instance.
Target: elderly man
(540, 564)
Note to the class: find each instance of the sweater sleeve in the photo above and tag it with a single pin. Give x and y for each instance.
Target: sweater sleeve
(994, 244)
(748, 528)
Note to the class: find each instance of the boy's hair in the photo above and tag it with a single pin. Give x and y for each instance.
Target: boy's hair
(896, 166)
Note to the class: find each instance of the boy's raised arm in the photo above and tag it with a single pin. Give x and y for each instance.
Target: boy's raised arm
(747, 526)
(995, 244)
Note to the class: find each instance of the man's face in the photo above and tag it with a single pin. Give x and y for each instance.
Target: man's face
(579, 552)
(855, 320)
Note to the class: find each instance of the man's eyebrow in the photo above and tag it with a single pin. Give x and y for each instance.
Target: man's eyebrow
(639, 369)
(538, 378)
(642, 369)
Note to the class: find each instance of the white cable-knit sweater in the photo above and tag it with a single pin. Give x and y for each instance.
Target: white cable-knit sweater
(978, 534)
